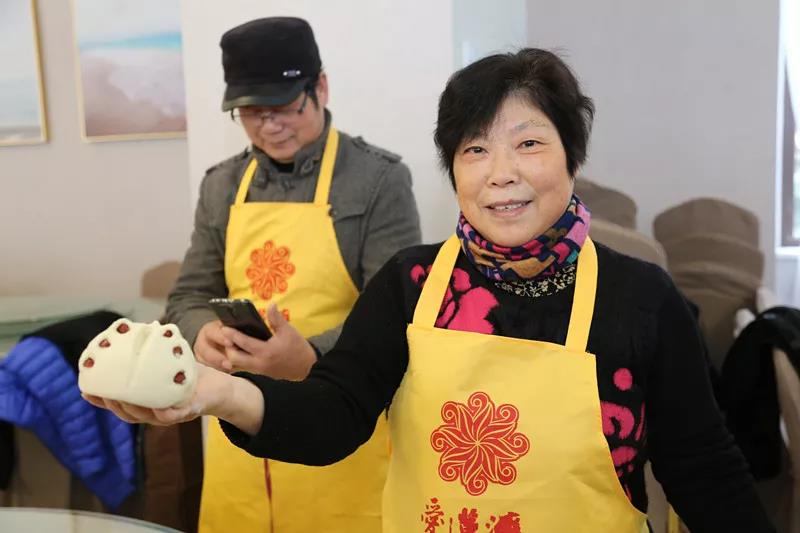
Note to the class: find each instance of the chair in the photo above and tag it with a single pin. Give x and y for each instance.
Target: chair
(628, 242)
(717, 248)
(719, 291)
(607, 204)
(707, 215)
(712, 251)
(717, 277)
(717, 320)
(157, 281)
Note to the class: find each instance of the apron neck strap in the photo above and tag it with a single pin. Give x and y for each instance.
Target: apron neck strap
(247, 177)
(580, 321)
(438, 281)
(323, 181)
(326, 168)
(436, 284)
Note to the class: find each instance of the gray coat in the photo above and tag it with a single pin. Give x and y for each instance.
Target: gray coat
(372, 205)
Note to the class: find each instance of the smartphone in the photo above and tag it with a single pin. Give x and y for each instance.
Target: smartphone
(241, 314)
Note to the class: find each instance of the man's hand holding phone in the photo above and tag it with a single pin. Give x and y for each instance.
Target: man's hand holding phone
(286, 354)
(240, 314)
(209, 347)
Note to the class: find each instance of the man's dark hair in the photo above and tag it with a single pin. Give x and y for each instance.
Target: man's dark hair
(311, 89)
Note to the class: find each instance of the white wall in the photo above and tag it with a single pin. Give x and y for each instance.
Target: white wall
(686, 96)
(86, 218)
(481, 29)
(386, 61)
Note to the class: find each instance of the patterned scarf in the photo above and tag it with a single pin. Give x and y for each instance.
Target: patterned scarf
(543, 256)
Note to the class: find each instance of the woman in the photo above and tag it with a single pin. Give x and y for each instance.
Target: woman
(528, 373)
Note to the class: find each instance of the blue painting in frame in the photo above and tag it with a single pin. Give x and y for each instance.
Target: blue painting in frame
(130, 68)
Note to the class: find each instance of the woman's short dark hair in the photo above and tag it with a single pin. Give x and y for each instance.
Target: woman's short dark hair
(474, 94)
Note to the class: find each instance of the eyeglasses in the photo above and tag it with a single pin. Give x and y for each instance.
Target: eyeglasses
(256, 117)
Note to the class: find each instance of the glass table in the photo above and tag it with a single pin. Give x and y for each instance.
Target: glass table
(27, 519)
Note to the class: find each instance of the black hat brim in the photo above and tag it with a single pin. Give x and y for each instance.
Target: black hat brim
(268, 94)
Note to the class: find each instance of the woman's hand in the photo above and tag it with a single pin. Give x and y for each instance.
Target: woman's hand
(287, 355)
(217, 394)
(212, 388)
(209, 347)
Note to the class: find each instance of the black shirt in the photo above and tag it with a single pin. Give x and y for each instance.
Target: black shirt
(656, 400)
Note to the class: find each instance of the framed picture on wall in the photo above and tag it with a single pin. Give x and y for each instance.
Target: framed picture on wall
(22, 111)
(130, 69)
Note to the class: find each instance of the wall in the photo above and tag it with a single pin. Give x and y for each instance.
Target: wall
(386, 61)
(480, 29)
(686, 96)
(86, 218)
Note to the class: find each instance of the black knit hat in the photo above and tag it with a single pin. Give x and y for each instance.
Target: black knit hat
(268, 61)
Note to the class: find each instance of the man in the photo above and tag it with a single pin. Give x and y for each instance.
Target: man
(298, 224)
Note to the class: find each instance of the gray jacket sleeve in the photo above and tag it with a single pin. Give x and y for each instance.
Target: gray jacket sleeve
(392, 221)
(391, 224)
(202, 273)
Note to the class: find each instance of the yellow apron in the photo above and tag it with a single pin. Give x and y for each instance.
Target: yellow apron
(493, 433)
(287, 253)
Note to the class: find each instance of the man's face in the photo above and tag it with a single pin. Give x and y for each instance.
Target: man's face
(282, 131)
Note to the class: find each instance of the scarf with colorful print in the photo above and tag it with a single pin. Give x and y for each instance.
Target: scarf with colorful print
(543, 256)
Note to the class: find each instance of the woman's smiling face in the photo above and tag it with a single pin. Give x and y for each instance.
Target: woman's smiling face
(512, 181)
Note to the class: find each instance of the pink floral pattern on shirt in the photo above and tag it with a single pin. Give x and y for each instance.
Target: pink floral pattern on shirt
(465, 307)
(620, 423)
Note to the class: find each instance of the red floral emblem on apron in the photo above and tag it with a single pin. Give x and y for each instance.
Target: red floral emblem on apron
(285, 312)
(479, 443)
(269, 270)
